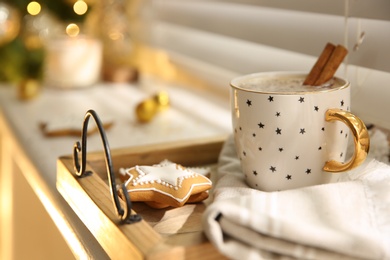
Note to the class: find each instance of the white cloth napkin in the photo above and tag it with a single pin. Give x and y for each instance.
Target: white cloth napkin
(349, 219)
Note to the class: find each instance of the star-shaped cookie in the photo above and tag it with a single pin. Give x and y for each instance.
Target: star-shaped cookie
(165, 184)
(69, 125)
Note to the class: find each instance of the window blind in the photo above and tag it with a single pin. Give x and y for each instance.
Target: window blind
(222, 39)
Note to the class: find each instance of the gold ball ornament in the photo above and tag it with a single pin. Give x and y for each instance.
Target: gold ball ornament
(9, 23)
(162, 100)
(148, 108)
(28, 89)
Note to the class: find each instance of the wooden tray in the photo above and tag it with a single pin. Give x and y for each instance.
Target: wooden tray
(174, 232)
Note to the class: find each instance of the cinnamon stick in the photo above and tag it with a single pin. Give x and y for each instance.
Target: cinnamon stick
(319, 65)
(332, 65)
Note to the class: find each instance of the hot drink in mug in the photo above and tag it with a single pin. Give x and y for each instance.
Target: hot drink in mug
(289, 135)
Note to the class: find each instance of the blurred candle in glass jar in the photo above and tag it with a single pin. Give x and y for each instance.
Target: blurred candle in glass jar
(72, 61)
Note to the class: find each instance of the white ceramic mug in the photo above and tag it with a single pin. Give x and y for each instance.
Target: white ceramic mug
(288, 135)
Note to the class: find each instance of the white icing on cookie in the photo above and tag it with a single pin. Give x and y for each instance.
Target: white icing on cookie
(170, 175)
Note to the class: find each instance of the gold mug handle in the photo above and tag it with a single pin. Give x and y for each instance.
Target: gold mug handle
(361, 140)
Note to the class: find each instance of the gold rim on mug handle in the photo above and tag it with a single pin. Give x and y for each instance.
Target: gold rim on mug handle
(361, 140)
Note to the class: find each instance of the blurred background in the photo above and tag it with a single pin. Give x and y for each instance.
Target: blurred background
(35, 32)
(24, 26)
(211, 40)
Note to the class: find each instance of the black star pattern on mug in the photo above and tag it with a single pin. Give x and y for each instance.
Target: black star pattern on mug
(280, 148)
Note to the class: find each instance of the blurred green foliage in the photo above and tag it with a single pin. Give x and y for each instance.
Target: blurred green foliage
(16, 61)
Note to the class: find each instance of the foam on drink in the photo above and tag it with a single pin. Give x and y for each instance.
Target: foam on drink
(284, 84)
